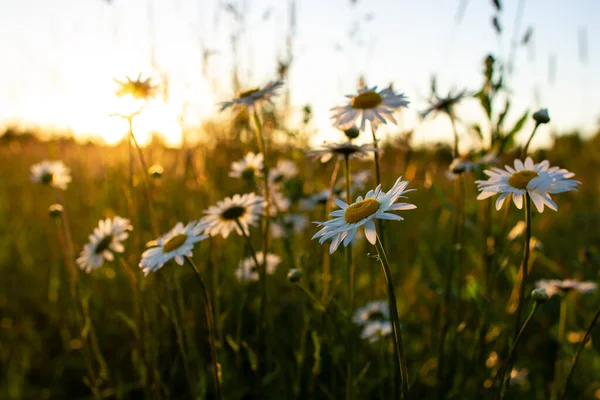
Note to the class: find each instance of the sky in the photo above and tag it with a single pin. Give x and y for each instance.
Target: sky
(60, 58)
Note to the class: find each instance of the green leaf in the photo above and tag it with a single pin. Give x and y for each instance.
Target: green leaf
(510, 136)
(251, 356)
(317, 353)
(232, 343)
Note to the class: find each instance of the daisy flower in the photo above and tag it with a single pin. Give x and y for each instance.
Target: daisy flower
(223, 218)
(105, 239)
(176, 244)
(444, 104)
(342, 150)
(278, 202)
(349, 218)
(253, 97)
(289, 223)
(372, 311)
(556, 286)
(284, 171)
(375, 330)
(248, 167)
(247, 270)
(538, 180)
(139, 89)
(371, 105)
(53, 173)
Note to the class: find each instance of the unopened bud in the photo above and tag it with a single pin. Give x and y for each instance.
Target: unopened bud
(539, 295)
(55, 210)
(156, 171)
(352, 132)
(295, 275)
(541, 116)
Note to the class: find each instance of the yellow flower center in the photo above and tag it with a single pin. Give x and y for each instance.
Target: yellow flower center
(248, 93)
(366, 100)
(47, 178)
(521, 179)
(102, 245)
(174, 243)
(233, 213)
(361, 210)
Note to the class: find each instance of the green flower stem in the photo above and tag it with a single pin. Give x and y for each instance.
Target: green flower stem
(312, 297)
(350, 269)
(588, 332)
(210, 322)
(524, 266)
(400, 357)
(265, 246)
(558, 364)
(524, 151)
(147, 183)
(511, 354)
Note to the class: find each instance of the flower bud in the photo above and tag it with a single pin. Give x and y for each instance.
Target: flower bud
(55, 210)
(156, 171)
(539, 295)
(295, 275)
(352, 132)
(541, 116)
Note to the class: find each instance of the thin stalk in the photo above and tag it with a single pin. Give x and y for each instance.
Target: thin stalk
(455, 152)
(265, 246)
(524, 151)
(147, 184)
(350, 268)
(210, 322)
(558, 364)
(524, 266)
(400, 358)
(511, 354)
(69, 247)
(327, 256)
(588, 332)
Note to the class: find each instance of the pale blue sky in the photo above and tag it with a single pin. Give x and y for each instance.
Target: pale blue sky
(60, 56)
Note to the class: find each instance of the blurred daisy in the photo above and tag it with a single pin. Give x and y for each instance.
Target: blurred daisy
(315, 200)
(371, 105)
(248, 167)
(284, 171)
(247, 270)
(53, 173)
(349, 218)
(105, 239)
(376, 330)
(139, 89)
(278, 202)
(223, 218)
(538, 180)
(176, 244)
(556, 286)
(342, 150)
(253, 97)
(372, 311)
(444, 104)
(289, 224)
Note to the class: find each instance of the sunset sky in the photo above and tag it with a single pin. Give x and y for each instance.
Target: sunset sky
(59, 58)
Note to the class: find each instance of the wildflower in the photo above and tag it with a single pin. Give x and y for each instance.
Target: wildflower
(105, 239)
(176, 244)
(372, 311)
(376, 330)
(541, 116)
(284, 171)
(248, 167)
(156, 171)
(352, 133)
(370, 105)
(247, 270)
(237, 212)
(294, 275)
(278, 202)
(361, 213)
(139, 89)
(289, 223)
(556, 286)
(55, 210)
(53, 173)
(444, 104)
(540, 295)
(253, 97)
(538, 180)
(342, 150)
